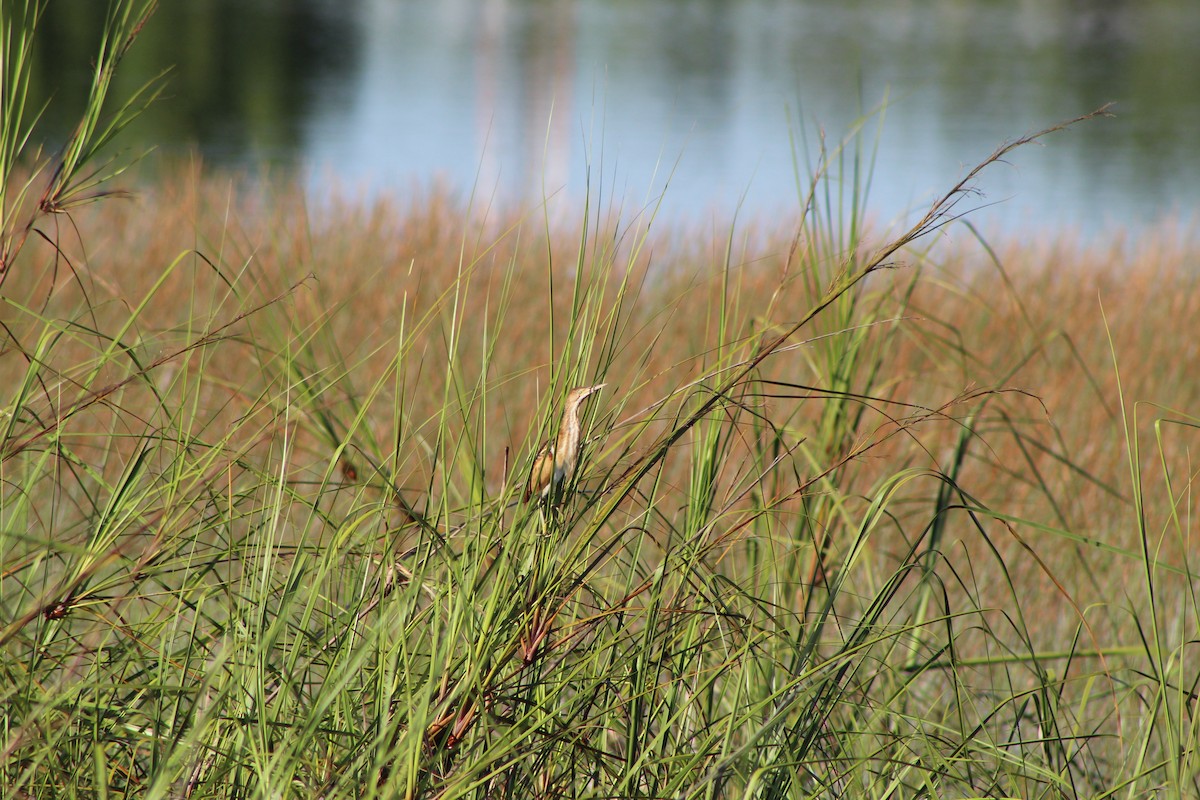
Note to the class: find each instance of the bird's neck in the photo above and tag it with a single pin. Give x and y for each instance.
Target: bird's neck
(568, 436)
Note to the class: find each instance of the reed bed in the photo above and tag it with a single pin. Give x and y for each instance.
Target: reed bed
(862, 513)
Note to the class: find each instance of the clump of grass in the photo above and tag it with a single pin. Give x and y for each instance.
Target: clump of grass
(260, 535)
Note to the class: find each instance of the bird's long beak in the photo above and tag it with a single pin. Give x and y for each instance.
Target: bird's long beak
(591, 390)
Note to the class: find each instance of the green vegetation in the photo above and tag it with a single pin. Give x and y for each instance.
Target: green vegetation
(861, 514)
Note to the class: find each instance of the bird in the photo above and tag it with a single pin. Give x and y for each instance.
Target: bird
(555, 462)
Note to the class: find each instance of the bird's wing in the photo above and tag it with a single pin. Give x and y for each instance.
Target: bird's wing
(543, 471)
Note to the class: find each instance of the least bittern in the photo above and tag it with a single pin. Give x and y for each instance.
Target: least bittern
(555, 462)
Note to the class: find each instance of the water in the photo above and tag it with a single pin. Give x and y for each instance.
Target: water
(523, 99)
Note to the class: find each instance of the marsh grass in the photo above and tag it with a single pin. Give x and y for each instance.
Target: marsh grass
(861, 514)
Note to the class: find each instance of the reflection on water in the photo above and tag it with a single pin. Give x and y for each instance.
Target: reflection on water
(522, 97)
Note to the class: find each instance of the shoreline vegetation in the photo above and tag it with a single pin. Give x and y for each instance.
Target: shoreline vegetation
(859, 513)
